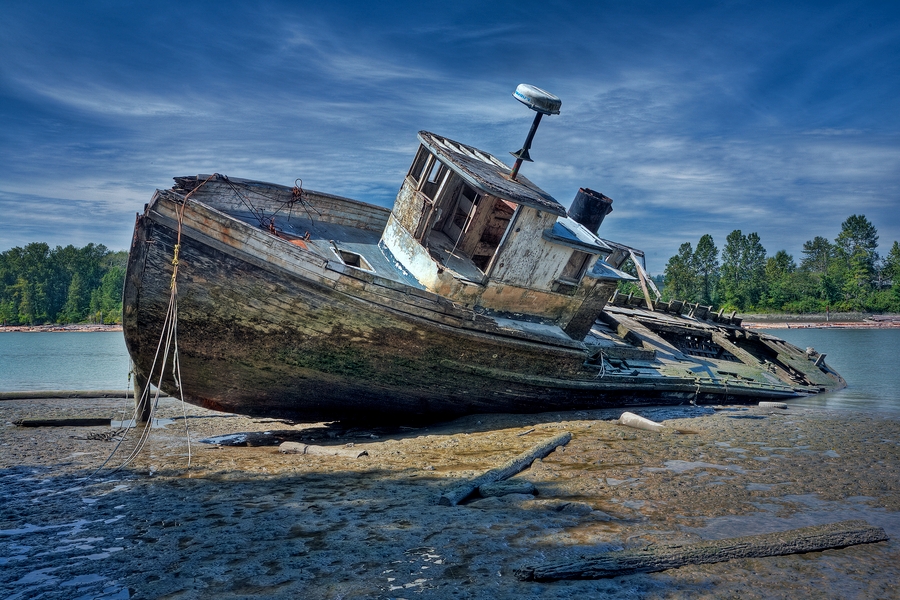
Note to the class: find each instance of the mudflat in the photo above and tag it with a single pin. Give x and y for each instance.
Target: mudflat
(238, 518)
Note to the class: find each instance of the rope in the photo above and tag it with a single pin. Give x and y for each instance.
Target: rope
(602, 366)
(168, 345)
(297, 195)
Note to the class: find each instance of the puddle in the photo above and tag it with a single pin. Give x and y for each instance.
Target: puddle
(232, 439)
(682, 466)
(614, 482)
(83, 580)
(812, 510)
(29, 528)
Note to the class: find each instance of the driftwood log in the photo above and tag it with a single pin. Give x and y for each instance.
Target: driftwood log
(660, 558)
(297, 448)
(65, 422)
(504, 471)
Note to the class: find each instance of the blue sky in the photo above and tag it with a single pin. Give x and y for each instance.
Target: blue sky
(695, 117)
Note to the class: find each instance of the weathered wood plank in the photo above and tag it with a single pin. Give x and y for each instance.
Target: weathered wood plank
(504, 471)
(661, 558)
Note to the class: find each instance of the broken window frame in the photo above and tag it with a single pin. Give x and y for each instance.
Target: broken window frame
(420, 166)
(573, 266)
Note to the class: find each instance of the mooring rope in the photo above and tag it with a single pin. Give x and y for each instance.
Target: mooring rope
(168, 345)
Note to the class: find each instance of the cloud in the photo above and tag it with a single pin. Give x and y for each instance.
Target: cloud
(694, 119)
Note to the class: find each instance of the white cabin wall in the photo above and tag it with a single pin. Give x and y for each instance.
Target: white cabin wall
(411, 254)
(527, 260)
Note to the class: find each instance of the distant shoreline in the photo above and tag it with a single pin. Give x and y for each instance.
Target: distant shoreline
(84, 327)
(756, 321)
(821, 321)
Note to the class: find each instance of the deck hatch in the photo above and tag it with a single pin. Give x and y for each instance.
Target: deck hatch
(352, 259)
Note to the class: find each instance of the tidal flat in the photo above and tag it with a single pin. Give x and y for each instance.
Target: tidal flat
(233, 517)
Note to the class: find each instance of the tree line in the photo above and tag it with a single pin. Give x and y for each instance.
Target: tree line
(844, 275)
(40, 285)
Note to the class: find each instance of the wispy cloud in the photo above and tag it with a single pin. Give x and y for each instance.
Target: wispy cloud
(776, 118)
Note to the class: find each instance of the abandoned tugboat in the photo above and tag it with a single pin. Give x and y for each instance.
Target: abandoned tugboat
(476, 292)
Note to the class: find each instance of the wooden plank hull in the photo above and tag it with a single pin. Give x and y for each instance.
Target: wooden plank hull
(266, 328)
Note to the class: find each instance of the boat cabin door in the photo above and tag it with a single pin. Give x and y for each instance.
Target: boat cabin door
(461, 216)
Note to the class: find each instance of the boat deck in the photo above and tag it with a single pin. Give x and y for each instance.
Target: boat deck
(328, 239)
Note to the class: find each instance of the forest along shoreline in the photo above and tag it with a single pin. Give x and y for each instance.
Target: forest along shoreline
(83, 327)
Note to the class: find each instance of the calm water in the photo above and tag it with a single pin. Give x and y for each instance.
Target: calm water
(869, 359)
(63, 361)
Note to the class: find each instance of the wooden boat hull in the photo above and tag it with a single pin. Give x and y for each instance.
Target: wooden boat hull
(266, 328)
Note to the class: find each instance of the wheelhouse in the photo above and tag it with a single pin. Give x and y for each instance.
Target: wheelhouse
(464, 229)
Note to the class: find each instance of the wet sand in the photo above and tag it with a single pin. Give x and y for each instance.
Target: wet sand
(248, 521)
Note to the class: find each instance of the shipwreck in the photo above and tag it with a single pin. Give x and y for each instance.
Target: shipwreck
(477, 292)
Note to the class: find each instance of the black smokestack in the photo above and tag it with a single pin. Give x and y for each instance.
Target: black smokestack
(589, 208)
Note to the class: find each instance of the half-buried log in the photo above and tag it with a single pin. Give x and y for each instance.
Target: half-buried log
(504, 471)
(660, 558)
(65, 422)
(298, 448)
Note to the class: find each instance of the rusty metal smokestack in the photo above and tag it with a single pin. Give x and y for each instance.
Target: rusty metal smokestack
(589, 208)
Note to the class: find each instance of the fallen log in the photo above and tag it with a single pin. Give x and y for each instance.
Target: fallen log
(504, 471)
(660, 558)
(65, 422)
(297, 448)
(43, 394)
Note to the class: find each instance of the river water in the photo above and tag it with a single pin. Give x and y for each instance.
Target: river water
(63, 360)
(869, 359)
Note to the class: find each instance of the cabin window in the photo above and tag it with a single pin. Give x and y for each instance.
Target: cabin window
(417, 169)
(576, 267)
(437, 169)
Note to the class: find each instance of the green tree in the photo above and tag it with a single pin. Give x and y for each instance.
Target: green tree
(890, 270)
(742, 282)
(821, 273)
(706, 267)
(680, 275)
(856, 250)
(818, 255)
(106, 300)
(780, 281)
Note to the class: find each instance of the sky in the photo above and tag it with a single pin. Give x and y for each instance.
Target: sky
(781, 118)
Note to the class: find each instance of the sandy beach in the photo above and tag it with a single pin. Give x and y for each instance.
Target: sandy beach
(246, 520)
